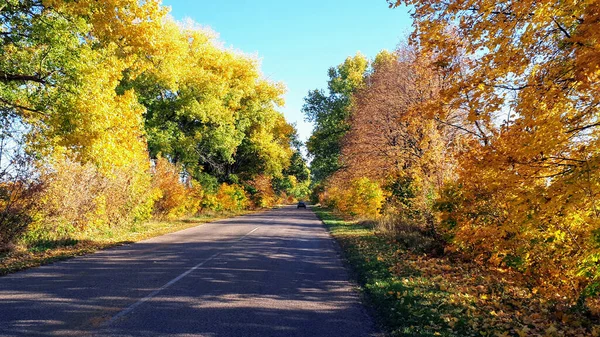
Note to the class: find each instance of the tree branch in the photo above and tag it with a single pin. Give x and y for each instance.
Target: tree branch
(20, 77)
(17, 106)
(562, 29)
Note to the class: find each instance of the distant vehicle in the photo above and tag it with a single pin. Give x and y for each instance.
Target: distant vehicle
(301, 204)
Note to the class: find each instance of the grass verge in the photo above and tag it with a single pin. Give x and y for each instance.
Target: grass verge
(45, 252)
(418, 295)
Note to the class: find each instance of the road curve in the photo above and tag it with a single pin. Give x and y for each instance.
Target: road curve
(274, 273)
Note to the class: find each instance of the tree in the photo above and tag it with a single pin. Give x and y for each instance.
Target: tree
(529, 80)
(329, 112)
(390, 136)
(217, 116)
(60, 65)
(393, 142)
(96, 89)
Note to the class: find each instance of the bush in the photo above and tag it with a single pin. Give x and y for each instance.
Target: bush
(169, 189)
(17, 209)
(361, 198)
(231, 198)
(79, 197)
(264, 195)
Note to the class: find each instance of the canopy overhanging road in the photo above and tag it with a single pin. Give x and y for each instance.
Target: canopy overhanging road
(274, 273)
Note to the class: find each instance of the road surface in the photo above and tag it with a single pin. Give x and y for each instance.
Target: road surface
(274, 273)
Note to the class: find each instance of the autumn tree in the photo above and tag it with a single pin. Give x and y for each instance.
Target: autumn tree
(394, 142)
(528, 186)
(210, 110)
(390, 134)
(95, 89)
(60, 65)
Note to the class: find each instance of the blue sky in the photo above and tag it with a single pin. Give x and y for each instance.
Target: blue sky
(298, 41)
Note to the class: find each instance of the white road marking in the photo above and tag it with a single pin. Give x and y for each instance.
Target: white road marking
(168, 284)
(250, 232)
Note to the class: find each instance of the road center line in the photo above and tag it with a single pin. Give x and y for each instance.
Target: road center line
(168, 284)
(250, 232)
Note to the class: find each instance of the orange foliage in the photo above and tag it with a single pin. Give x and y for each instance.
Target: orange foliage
(174, 196)
(264, 195)
(18, 206)
(390, 134)
(393, 141)
(528, 81)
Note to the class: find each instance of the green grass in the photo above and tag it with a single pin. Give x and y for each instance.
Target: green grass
(37, 253)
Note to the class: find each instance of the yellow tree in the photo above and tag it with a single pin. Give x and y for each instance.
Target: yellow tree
(211, 110)
(529, 82)
(70, 59)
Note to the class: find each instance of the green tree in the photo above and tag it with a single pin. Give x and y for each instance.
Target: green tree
(329, 112)
(210, 110)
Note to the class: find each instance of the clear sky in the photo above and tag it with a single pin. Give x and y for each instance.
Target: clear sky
(298, 41)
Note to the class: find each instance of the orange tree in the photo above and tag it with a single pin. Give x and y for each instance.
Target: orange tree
(528, 81)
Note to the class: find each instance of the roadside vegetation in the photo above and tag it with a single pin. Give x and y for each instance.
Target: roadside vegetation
(474, 150)
(416, 293)
(116, 121)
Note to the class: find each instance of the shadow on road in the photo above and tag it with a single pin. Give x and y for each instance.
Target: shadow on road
(284, 279)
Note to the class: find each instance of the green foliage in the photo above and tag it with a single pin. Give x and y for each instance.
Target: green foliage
(298, 168)
(41, 49)
(210, 110)
(329, 112)
(295, 181)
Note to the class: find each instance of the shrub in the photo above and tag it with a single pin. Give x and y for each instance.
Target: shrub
(411, 215)
(18, 201)
(175, 197)
(79, 197)
(231, 198)
(361, 198)
(170, 191)
(264, 195)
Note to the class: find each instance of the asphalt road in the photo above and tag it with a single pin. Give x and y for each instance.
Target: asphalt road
(275, 273)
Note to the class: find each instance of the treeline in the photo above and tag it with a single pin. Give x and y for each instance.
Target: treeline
(479, 139)
(112, 113)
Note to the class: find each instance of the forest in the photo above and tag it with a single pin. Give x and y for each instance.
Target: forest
(475, 142)
(113, 114)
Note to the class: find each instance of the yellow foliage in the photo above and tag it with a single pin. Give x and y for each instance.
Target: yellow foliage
(359, 198)
(79, 197)
(130, 26)
(96, 88)
(526, 75)
(231, 198)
